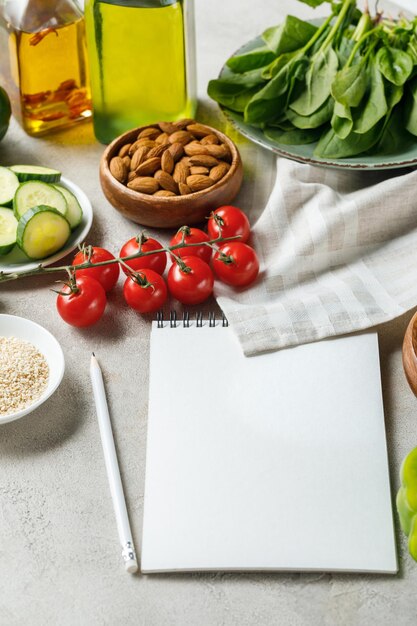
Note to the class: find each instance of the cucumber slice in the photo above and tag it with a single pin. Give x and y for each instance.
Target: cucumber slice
(74, 213)
(41, 231)
(9, 182)
(36, 172)
(35, 193)
(8, 227)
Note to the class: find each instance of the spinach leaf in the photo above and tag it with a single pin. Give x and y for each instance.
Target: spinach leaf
(295, 137)
(342, 122)
(394, 137)
(332, 147)
(291, 35)
(267, 103)
(271, 70)
(344, 49)
(396, 65)
(393, 94)
(349, 85)
(240, 101)
(411, 108)
(251, 60)
(375, 106)
(316, 119)
(318, 81)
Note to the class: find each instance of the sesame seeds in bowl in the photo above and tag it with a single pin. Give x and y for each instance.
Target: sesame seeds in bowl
(31, 366)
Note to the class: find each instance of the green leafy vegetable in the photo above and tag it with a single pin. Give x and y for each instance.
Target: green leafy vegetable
(251, 60)
(294, 137)
(395, 65)
(349, 83)
(291, 35)
(318, 82)
(375, 106)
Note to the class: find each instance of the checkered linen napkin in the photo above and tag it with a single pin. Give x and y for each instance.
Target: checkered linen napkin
(338, 251)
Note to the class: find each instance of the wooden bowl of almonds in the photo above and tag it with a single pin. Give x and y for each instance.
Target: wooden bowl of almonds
(171, 173)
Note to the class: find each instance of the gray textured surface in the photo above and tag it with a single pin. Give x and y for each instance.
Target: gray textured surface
(59, 556)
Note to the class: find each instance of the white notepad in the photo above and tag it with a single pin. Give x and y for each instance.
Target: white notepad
(273, 462)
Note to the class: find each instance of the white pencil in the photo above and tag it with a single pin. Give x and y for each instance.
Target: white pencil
(112, 467)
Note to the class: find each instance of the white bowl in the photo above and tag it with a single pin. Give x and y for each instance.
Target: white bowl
(21, 328)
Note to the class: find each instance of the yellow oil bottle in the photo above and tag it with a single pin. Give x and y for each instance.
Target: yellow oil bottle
(48, 69)
(142, 62)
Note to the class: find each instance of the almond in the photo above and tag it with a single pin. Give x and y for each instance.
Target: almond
(124, 150)
(133, 147)
(177, 150)
(198, 182)
(166, 181)
(167, 162)
(181, 136)
(181, 124)
(184, 189)
(131, 176)
(186, 161)
(151, 133)
(167, 127)
(194, 147)
(144, 184)
(118, 169)
(139, 157)
(164, 193)
(126, 161)
(158, 150)
(162, 139)
(149, 143)
(148, 167)
(199, 130)
(204, 159)
(220, 152)
(181, 171)
(217, 173)
(209, 139)
(199, 170)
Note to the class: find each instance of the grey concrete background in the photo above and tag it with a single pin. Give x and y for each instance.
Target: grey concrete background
(59, 556)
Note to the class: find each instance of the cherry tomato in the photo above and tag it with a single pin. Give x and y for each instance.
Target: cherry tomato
(236, 264)
(192, 235)
(145, 292)
(155, 262)
(233, 222)
(85, 306)
(106, 275)
(192, 285)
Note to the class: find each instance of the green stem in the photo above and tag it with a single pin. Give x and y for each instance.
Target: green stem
(40, 270)
(345, 8)
(317, 35)
(359, 43)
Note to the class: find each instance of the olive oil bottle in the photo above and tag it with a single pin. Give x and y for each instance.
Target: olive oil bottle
(47, 63)
(142, 62)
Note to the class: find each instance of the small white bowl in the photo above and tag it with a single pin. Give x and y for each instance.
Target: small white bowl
(21, 328)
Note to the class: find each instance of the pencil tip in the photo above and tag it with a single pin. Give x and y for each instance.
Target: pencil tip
(93, 354)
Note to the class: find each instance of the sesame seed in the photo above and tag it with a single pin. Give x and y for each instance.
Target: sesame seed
(24, 374)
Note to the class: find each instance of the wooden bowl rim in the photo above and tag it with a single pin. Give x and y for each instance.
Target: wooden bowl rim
(119, 141)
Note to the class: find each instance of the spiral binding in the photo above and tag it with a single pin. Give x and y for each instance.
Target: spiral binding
(173, 319)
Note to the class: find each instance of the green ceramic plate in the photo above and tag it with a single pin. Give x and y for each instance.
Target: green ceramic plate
(406, 158)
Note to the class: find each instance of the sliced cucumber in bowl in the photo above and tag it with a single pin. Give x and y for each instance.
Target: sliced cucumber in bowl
(41, 231)
(74, 211)
(9, 183)
(8, 228)
(35, 193)
(36, 172)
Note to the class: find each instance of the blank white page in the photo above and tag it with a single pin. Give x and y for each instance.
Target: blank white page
(273, 462)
